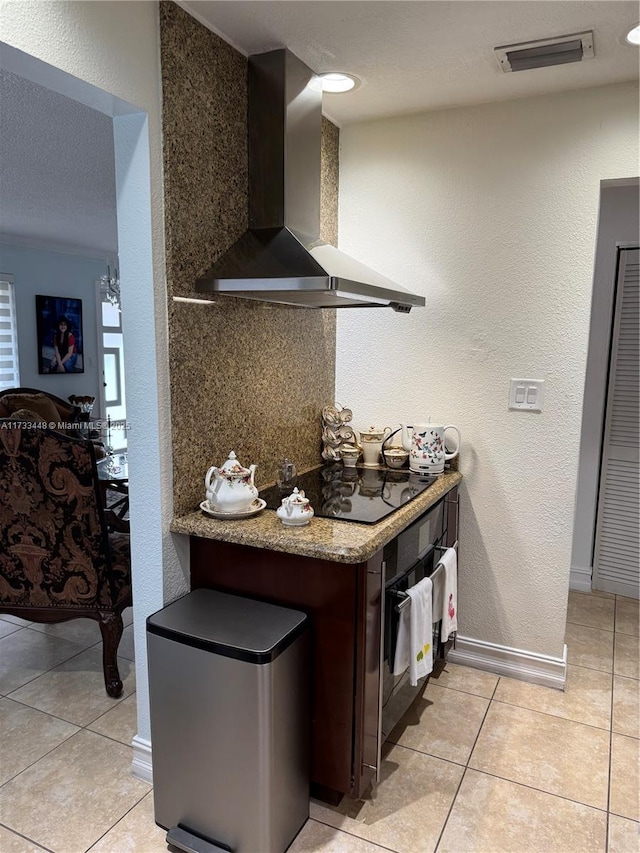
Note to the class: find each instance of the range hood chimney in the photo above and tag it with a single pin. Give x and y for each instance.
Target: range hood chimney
(281, 257)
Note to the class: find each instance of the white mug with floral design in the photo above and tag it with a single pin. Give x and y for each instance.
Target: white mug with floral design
(425, 444)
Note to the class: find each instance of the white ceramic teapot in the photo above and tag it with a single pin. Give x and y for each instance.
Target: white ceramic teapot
(425, 443)
(231, 487)
(295, 510)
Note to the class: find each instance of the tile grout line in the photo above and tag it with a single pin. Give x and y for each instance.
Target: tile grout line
(51, 668)
(26, 838)
(121, 818)
(53, 748)
(79, 728)
(118, 701)
(495, 775)
(33, 763)
(466, 767)
(555, 716)
(594, 627)
(350, 834)
(540, 790)
(606, 838)
(24, 705)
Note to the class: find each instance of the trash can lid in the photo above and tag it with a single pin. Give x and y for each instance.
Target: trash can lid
(229, 625)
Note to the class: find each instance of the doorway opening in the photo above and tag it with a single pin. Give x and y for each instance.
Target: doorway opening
(137, 167)
(110, 343)
(618, 226)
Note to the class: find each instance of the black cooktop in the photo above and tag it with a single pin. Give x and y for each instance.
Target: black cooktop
(358, 494)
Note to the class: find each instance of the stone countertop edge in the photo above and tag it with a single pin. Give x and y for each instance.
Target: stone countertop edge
(323, 538)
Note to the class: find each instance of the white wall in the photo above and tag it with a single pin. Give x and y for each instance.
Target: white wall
(115, 48)
(48, 273)
(490, 212)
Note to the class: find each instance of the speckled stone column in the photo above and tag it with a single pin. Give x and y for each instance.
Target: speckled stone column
(245, 375)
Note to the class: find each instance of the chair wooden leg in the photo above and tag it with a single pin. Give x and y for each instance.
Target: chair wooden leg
(111, 629)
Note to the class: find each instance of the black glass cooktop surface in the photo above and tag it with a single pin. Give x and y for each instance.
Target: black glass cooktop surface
(358, 494)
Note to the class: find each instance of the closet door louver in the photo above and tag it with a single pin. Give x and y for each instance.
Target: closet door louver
(617, 551)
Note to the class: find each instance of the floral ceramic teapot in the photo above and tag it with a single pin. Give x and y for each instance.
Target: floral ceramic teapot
(425, 445)
(295, 510)
(231, 487)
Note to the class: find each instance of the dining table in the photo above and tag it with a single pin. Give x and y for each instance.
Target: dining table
(113, 475)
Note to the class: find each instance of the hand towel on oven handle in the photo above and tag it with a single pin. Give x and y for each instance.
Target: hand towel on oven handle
(449, 611)
(413, 645)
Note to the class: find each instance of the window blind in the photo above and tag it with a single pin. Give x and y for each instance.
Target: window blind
(9, 369)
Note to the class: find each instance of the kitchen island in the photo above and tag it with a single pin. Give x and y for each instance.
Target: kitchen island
(334, 571)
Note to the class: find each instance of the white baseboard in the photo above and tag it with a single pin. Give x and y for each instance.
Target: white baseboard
(141, 766)
(580, 579)
(515, 663)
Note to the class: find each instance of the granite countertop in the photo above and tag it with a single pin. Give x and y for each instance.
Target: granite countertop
(325, 538)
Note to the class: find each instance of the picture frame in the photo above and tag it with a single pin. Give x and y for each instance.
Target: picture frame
(60, 338)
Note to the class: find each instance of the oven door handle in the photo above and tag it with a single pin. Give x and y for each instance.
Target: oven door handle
(383, 598)
(405, 600)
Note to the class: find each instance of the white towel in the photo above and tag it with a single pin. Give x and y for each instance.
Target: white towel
(413, 644)
(450, 593)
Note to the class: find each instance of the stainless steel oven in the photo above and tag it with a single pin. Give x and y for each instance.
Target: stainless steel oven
(408, 558)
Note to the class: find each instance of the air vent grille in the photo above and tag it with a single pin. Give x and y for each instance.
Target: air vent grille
(545, 52)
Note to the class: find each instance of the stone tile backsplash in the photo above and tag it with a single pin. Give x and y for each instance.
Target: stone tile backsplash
(245, 375)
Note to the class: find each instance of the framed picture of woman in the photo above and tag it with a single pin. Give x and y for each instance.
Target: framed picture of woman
(60, 343)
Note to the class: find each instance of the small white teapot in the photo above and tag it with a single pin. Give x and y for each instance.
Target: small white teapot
(295, 510)
(231, 487)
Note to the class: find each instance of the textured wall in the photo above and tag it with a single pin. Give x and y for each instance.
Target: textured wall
(244, 375)
(490, 212)
(114, 47)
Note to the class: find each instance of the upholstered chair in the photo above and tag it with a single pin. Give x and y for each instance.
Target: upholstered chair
(42, 403)
(57, 559)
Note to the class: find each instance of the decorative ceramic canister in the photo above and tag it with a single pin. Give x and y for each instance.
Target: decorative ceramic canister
(425, 443)
(371, 441)
(295, 510)
(350, 455)
(395, 457)
(231, 487)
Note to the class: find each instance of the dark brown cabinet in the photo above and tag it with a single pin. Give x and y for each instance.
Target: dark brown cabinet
(345, 605)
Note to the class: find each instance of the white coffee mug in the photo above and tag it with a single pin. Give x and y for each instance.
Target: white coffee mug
(427, 454)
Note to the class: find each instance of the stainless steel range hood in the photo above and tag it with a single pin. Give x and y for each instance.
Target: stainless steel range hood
(281, 257)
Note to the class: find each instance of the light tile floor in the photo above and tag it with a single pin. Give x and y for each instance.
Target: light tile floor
(482, 763)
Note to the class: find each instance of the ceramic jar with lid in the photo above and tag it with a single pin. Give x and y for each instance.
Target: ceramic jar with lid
(371, 441)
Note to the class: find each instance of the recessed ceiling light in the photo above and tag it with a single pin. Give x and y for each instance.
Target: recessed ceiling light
(633, 36)
(338, 81)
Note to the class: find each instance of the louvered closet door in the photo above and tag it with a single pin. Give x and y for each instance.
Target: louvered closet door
(617, 553)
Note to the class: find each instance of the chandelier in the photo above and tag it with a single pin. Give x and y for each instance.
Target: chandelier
(110, 286)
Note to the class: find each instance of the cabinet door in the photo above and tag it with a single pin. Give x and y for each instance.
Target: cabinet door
(328, 592)
(368, 731)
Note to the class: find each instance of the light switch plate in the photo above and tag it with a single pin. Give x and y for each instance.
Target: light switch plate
(526, 394)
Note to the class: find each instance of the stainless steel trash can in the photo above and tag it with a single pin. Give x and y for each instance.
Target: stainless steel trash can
(228, 686)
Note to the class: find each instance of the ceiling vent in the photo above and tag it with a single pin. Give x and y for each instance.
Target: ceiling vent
(543, 52)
